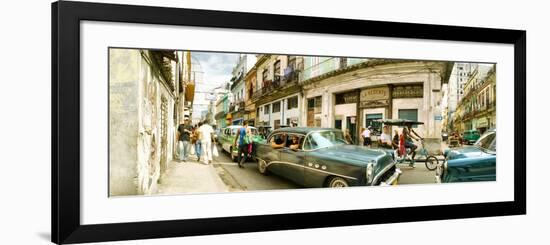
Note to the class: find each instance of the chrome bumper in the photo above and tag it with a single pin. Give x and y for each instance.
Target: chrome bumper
(392, 180)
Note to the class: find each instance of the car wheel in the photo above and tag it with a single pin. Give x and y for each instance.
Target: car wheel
(262, 167)
(431, 163)
(233, 157)
(336, 182)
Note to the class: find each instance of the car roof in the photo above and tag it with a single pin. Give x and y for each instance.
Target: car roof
(398, 122)
(238, 126)
(300, 130)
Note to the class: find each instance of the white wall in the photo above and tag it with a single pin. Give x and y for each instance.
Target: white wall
(283, 114)
(30, 223)
(416, 103)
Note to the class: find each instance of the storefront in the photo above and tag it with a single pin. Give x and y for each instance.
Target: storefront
(345, 113)
(374, 104)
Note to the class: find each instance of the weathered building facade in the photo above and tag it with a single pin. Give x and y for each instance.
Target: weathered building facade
(146, 102)
(351, 95)
(277, 95)
(477, 109)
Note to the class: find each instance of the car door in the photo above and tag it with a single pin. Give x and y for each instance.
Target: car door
(292, 163)
(271, 155)
(314, 173)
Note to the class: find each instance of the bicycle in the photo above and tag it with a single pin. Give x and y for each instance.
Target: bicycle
(431, 161)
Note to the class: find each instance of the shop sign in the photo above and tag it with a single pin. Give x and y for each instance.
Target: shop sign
(346, 98)
(380, 93)
(408, 91)
(375, 97)
(482, 123)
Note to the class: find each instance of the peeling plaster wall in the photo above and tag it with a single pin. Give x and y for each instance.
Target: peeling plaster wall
(135, 126)
(123, 121)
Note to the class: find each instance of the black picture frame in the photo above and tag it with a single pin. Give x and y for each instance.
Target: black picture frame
(65, 168)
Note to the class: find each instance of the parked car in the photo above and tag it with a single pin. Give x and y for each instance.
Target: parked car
(471, 136)
(227, 136)
(470, 163)
(320, 157)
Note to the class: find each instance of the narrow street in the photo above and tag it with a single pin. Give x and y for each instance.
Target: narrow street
(224, 175)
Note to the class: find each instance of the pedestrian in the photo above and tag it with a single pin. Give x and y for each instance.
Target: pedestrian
(207, 134)
(242, 141)
(385, 138)
(366, 136)
(395, 141)
(184, 137)
(198, 144)
(347, 137)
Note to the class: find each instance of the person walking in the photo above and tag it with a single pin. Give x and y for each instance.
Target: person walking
(242, 141)
(206, 133)
(366, 136)
(184, 137)
(197, 139)
(347, 137)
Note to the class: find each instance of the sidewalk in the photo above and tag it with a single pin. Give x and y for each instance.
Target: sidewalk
(190, 177)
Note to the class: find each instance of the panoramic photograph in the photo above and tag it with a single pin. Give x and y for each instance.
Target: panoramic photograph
(190, 122)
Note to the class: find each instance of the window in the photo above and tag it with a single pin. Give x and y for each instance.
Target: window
(324, 139)
(370, 120)
(258, 111)
(264, 75)
(277, 68)
(292, 62)
(266, 109)
(346, 98)
(409, 114)
(277, 124)
(277, 107)
(292, 102)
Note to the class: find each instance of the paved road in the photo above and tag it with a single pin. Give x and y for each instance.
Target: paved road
(248, 178)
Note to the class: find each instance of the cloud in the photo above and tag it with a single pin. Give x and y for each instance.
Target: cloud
(212, 70)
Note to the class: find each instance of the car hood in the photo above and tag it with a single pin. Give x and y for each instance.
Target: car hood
(358, 155)
(466, 152)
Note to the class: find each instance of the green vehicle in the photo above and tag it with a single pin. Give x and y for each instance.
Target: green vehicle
(226, 139)
(471, 136)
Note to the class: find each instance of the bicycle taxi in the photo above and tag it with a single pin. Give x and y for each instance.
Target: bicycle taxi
(404, 156)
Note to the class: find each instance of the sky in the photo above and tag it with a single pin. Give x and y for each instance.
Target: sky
(212, 70)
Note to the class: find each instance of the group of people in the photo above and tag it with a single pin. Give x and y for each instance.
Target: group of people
(399, 142)
(201, 136)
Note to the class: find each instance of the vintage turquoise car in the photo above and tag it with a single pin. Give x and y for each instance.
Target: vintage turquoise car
(226, 139)
(471, 136)
(470, 163)
(320, 157)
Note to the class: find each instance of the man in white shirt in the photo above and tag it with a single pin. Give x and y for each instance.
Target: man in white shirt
(385, 138)
(206, 132)
(366, 136)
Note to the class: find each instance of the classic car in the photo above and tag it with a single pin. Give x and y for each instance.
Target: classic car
(471, 136)
(227, 136)
(470, 163)
(320, 157)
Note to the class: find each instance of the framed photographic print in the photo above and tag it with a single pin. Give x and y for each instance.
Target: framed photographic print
(178, 122)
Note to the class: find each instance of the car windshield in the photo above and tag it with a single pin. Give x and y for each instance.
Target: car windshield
(322, 139)
(253, 131)
(487, 141)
